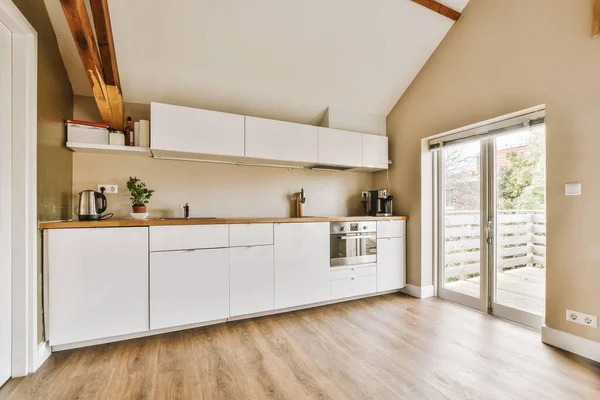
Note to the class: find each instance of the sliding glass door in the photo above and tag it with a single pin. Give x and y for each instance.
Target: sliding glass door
(462, 213)
(492, 223)
(518, 263)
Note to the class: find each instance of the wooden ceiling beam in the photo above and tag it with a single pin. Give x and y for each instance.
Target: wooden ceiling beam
(439, 8)
(596, 19)
(111, 111)
(108, 56)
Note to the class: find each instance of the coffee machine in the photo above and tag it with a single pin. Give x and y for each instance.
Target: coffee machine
(379, 203)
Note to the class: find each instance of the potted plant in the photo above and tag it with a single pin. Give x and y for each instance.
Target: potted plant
(140, 194)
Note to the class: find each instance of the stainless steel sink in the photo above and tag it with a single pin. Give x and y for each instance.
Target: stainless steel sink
(184, 219)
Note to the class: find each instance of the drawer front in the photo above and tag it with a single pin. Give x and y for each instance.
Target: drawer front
(390, 229)
(250, 235)
(344, 273)
(184, 237)
(350, 287)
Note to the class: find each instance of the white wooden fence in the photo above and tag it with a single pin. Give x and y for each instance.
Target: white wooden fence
(521, 241)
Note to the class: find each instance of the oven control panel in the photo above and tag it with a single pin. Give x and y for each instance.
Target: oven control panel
(353, 227)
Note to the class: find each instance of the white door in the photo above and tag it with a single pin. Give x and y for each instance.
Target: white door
(188, 287)
(251, 280)
(5, 227)
(301, 264)
(390, 264)
(339, 147)
(97, 283)
(492, 222)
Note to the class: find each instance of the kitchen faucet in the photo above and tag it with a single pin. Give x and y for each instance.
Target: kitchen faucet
(186, 210)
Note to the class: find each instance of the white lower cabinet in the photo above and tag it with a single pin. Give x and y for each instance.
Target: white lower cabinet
(188, 287)
(301, 264)
(251, 280)
(391, 264)
(97, 283)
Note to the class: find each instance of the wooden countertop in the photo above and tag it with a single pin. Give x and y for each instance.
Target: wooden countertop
(112, 223)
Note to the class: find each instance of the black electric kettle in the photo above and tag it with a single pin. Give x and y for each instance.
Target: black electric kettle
(91, 206)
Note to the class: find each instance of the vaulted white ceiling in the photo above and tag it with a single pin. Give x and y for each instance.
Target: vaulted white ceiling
(284, 59)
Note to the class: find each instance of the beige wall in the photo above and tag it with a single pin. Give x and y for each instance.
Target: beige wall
(504, 56)
(213, 189)
(55, 105)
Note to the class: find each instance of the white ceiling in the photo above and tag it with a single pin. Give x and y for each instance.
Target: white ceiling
(283, 59)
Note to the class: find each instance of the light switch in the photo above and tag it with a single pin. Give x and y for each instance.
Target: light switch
(573, 189)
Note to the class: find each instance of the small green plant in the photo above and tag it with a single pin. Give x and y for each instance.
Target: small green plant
(140, 194)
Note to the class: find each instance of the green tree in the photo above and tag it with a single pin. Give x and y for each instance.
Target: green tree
(521, 180)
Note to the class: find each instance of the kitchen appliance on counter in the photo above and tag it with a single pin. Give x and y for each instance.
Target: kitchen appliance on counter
(380, 203)
(353, 243)
(91, 206)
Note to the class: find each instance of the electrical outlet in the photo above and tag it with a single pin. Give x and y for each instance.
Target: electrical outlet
(109, 189)
(582, 318)
(364, 194)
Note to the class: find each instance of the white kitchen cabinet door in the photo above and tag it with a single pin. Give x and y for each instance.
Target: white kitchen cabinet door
(391, 264)
(251, 280)
(301, 264)
(188, 287)
(188, 237)
(283, 141)
(393, 228)
(250, 234)
(375, 151)
(337, 147)
(193, 130)
(97, 283)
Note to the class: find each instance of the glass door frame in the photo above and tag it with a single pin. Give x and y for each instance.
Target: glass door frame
(495, 308)
(487, 302)
(481, 303)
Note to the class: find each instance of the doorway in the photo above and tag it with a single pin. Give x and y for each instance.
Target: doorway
(5, 206)
(492, 218)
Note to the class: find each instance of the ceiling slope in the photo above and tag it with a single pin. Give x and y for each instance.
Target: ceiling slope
(272, 58)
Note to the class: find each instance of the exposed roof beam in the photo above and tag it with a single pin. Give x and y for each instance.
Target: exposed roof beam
(439, 8)
(596, 21)
(108, 56)
(108, 99)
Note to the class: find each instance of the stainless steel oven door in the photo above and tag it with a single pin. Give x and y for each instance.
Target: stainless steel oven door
(353, 249)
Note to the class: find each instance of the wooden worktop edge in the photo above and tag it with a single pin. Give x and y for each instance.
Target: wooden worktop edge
(218, 221)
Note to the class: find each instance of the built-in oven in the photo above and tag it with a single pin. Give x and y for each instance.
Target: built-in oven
(353, 243)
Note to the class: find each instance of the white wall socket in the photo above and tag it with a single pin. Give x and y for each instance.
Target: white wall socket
(109, 189)
(582, 319)
(364, 194)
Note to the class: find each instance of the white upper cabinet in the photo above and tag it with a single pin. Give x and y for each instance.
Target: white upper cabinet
(284, 141)
(375, 151)
(337, 147)
(192, 130)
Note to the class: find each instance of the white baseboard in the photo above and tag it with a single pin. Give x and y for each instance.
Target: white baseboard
(571, 343)
(43, 353)
(420, 292)
(94, 342)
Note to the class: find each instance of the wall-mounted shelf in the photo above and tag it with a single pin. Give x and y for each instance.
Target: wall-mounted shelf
(109, 149)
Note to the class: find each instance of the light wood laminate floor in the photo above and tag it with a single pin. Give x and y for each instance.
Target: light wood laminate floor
(387, 347)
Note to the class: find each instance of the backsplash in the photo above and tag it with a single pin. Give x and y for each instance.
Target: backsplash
(220, 190)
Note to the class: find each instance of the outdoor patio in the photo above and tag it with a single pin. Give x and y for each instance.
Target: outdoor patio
(521, 246)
